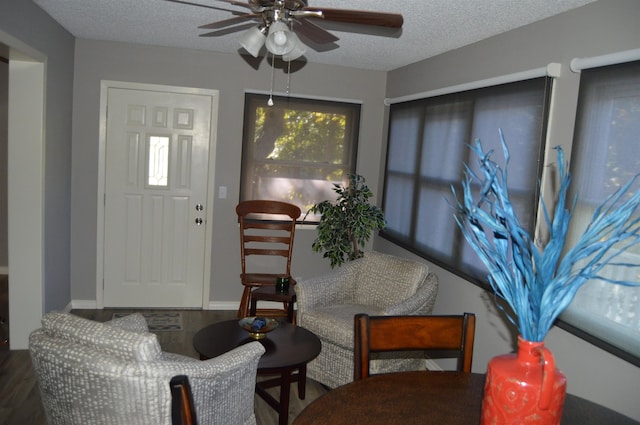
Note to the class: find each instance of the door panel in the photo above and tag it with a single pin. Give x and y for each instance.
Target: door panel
(157, 150)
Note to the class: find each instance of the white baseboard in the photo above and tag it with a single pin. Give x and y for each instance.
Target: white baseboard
(233, 305)
(223, 305)
(213, 305)
(84, 304)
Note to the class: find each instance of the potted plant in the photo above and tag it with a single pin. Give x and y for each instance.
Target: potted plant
(346, 224)
(537, 282)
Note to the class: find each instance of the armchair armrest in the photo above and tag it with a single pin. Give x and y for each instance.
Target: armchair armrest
(134, 322)
(222, 387)
(244, 357)
(333, 288)
(421, 302)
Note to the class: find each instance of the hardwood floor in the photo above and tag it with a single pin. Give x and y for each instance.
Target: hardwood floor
(20, 402)
(19, 396)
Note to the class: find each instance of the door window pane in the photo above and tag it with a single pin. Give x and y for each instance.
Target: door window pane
(158, 161)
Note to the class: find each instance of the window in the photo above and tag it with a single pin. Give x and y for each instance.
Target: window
(158, 162)
(294, 150)
(606, 155)
(427, 150)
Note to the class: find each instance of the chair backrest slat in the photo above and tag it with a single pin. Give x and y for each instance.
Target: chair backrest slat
(268, 225)
(263, 251)
(266, 239)
(246, 208)
(453, 336)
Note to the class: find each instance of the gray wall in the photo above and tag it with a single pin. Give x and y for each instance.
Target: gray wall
(603, 27)
(231, 75)
(4, 97)
(27, 23)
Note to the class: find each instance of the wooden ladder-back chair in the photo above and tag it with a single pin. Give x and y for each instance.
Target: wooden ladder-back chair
(267, 228)
(451, 336)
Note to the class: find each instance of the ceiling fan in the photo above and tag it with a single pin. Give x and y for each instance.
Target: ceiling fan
(279, 22)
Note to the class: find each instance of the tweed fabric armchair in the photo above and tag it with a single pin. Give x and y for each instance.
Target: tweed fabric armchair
(92, 373)
(377, 284)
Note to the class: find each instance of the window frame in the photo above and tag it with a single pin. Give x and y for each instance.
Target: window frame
(587, 199)
(475, 276)
(561, 323)
(352, 111)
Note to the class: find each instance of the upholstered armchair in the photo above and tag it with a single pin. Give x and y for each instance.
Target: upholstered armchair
(115, 373)
(377, 284)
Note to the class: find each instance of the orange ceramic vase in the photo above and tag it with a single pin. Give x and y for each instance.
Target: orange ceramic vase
(524, 388)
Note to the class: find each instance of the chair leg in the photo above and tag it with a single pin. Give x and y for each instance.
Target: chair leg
(243, 309)
(291, 317)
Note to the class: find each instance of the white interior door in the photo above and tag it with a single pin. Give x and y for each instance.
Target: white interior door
(156, 173)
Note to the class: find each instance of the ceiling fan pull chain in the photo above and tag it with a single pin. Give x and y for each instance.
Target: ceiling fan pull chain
(273, 63)
(288, 76)
(289, 62)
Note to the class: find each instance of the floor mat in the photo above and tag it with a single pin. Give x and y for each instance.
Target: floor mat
(160, 321)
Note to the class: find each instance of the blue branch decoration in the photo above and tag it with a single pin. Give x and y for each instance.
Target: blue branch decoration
(539, 284)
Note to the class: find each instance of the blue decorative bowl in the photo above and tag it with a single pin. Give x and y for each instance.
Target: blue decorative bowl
(258, 327)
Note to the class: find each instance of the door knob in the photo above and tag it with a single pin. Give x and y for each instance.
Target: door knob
(198, 221)
(199, 207)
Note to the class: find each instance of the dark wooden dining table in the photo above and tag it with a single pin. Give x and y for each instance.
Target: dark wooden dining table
(428, 398)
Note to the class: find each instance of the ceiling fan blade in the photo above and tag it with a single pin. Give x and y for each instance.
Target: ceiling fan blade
(362, 17)
(338, 27)
(313, 32)
(229, 30)
(230, 21)
(254, 6)
(235, 12)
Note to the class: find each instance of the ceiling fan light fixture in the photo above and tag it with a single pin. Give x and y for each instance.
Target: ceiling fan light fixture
(299, 49)
(280, 40)
(253, 39)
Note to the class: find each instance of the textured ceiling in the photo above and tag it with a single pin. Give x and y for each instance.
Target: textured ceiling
(430, 27)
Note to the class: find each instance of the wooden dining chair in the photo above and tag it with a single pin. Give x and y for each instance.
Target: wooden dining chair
(449, 336)
(267, 230)
(182, 408)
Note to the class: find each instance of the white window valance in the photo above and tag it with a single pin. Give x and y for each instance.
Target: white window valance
(578, 64)
(551, 70)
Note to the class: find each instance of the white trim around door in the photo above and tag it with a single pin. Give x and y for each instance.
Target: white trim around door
(100, 240)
